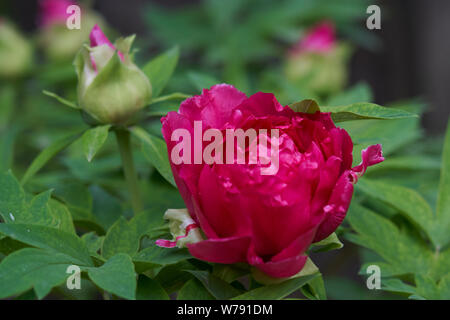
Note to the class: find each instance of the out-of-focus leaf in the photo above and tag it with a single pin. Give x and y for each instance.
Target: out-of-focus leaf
(47, 154)
(7, 142)
(397, 286)
(361, 92)
(360, 111)
(160, 69)
(419, 162)
(61, 99)
(202, 81)
(93, 139)
(443, 203)
(155, 151)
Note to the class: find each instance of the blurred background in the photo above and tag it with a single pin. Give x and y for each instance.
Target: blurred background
(297, 49)
(409, 57)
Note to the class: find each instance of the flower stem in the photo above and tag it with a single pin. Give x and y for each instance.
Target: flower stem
(123, 140)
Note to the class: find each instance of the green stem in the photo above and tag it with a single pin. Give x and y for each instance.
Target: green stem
(123, 140)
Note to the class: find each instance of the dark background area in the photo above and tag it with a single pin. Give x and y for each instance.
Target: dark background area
(413, 61)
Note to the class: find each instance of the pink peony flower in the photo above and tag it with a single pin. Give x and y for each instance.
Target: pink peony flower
(320, 39)
(267, 221)
(53, 11)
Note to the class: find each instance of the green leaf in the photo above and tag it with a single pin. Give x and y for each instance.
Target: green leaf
(305, 106)
(443, 202)
(160, 69)
(32, 268)
(47, 154)
(116, 276)
(409, 162)
(229, 273)
(93, 242)
(407, 201)
(194, 290)
(276, 291)
(308, 269)
(155, 151)
(124, 237)
(51, 239)
(121, 238)
(162, 256)
(315, 289)
(360, 111)
(402, 249)
(397, 286)
(17, 207)
(202, 81)
(172, 96)
(61, 99)
(93, 139)
(7, 143)
(330, 243)
(220, 289)
(149, 289)
(7, 100)
(427, 287)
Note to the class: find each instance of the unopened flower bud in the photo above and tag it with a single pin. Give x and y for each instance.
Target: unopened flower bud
(111, 88)
(16, 54)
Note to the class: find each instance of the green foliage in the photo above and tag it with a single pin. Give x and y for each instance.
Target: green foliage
(68, 211)
(155, 151)
(276, 291)
(116, 276)
(415, 248)
(160, 69)
(93, 139)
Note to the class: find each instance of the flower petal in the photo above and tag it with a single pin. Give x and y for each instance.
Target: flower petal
(214, 106)
(370, 156)
(225, 250)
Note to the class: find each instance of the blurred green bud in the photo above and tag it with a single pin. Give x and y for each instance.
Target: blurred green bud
(323, 73)
(111, 88)
(16, 53)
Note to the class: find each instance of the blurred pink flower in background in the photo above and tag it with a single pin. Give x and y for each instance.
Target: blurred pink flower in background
(53, 11)
(321, 38)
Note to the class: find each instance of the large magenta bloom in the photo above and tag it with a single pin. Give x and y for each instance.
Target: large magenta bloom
(267, 221)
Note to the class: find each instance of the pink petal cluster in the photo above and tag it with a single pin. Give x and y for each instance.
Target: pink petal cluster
(320, 39)
(53, 11)
(267, 221)
(98, 38)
